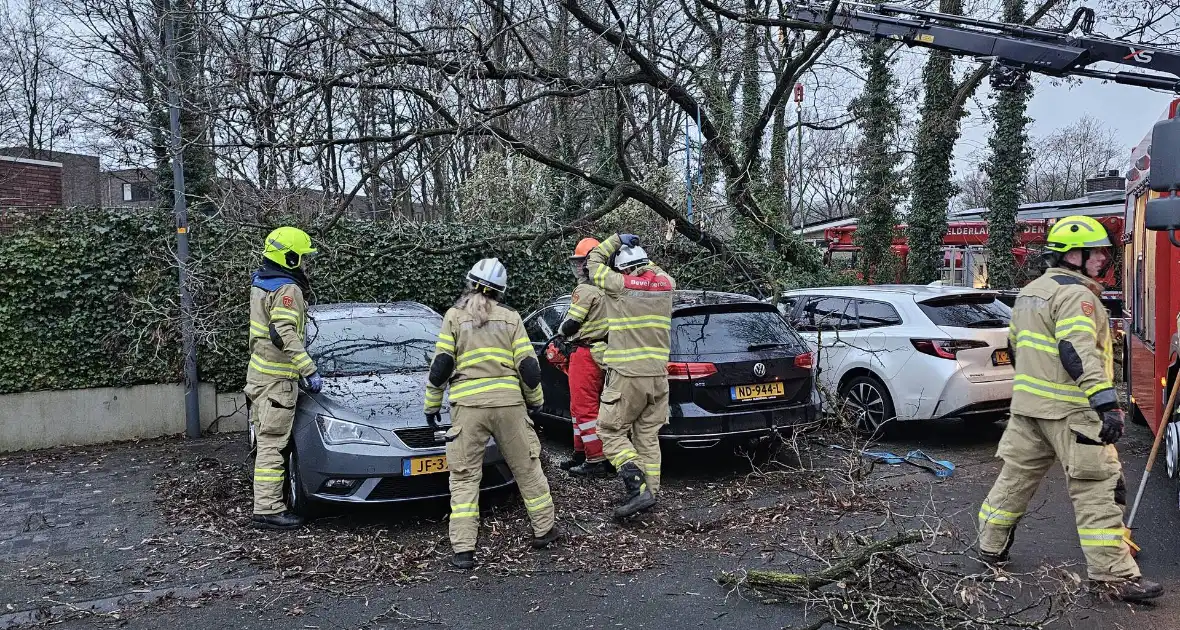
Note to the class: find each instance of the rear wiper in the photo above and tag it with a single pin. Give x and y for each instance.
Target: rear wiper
(764, 346)
(987, 323)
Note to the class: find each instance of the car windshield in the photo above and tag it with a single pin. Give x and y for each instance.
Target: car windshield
(731, 331)
(370, 345)
(967, 311)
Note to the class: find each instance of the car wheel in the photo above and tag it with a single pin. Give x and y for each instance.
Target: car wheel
(1172, 447)
(869, 402)
(295, 493)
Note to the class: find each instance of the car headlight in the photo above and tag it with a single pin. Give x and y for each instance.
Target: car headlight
(337, 431)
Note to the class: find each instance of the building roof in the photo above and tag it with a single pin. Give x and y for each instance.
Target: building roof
(1096, 204)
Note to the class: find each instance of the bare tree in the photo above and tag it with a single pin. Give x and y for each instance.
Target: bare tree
(39, 100)
(1062, 161)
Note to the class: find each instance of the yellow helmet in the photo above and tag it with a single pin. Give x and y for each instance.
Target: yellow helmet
(287, 246)
(1076, 232)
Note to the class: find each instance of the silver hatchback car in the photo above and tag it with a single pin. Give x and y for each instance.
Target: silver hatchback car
(364, 438)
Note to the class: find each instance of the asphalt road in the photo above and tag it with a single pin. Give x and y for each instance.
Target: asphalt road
(679, 589)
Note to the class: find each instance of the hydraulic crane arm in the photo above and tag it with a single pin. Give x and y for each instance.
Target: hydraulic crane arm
(1014, 49)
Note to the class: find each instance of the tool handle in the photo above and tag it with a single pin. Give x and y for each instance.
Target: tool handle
(1155, 447)
(1163, 426)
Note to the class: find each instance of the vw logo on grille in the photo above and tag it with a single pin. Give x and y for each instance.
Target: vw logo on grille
(759, 369)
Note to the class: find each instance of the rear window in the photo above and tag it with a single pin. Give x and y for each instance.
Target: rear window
(729, 331)
(968, 311)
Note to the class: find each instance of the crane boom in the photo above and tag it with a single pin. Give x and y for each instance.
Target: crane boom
(1014, 49)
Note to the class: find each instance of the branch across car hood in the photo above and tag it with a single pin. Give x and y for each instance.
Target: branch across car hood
(385, 401)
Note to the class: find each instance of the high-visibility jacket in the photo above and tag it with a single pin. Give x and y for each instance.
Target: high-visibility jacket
(638, 311)
(587, 317)
(278, 317)
(493, 365)
(1060, 342)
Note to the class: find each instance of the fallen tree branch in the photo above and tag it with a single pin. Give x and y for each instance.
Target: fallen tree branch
(777, 582)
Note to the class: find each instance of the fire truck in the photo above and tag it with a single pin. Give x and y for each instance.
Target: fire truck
(1152, 271)
(963, 252)
(1151, 278)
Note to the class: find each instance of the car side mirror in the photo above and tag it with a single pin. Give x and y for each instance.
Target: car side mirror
(1165, 156)
(1163, 213)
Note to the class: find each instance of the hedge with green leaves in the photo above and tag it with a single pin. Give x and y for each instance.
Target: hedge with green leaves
(89, 298)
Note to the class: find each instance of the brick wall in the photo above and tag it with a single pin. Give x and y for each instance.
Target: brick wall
(30, 183)
(80, 177)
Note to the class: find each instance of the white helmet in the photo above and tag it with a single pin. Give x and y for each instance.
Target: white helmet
(629, 257)
(490, 274)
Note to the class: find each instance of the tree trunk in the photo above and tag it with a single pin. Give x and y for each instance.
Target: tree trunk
(933, 150)
(1007, 168)
(878, 183)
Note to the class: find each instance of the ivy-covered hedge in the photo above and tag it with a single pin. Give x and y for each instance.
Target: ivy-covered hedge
(89, 298)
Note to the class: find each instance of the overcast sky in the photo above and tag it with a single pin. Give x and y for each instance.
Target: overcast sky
(1129, 110)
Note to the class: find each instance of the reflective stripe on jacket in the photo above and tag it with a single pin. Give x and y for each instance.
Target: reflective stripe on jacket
(588, 308)
(277, 322)
(1060, 341)
(638, 312)
(487, 361)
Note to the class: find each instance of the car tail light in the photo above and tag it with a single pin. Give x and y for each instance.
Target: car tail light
(690, 371)
(805, 361)
(945, 348)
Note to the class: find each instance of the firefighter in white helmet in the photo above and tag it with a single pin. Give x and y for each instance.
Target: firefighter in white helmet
(486, 360)
(635, 396)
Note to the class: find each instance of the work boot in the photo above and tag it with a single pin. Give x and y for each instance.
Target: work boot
(999, 559)
(282, 521)
(463, 560)
(577, 460)
(592, 469)
(1133, 590)
(639, 497)
(550, 537)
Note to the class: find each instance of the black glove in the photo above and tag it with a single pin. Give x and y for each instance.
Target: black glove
(433, 419)
(1112, 426)
(533, 411)
(630, 240)
(563, 346)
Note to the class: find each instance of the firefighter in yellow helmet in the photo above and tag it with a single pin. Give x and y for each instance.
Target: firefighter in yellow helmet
(486, 359)
(1064, 407)
(278, 318)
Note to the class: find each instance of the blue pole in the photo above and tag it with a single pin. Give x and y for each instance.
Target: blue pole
(687, 170)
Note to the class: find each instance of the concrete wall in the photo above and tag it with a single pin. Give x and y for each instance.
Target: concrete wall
(46, 419)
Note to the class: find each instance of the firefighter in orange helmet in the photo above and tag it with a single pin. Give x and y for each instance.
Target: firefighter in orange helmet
(582, 338)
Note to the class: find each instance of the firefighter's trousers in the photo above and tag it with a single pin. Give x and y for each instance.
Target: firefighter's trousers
(272, 410)
(585, 379)
(635, 406)
(1093, 476)
(518, 443)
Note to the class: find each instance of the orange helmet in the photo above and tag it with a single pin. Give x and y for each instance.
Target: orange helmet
(583, 247)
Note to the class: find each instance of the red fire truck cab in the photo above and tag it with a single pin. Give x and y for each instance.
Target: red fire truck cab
(1151, 277)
